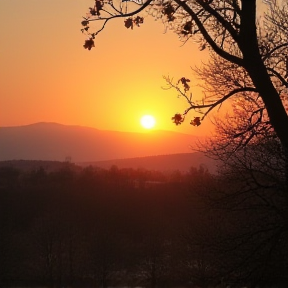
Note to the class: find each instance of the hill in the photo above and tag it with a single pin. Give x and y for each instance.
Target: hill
(56, 142)
(182, 162)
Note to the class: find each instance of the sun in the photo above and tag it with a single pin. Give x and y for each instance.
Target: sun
(147, 121)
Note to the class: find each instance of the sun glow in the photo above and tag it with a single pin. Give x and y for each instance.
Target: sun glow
(148, 121)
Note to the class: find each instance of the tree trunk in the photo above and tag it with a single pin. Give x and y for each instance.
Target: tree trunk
(254, 65)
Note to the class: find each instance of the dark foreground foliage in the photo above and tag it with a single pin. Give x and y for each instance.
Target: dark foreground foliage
(98, 228)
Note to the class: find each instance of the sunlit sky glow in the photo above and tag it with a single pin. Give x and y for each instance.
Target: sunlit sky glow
(47, 75)
(148, 121)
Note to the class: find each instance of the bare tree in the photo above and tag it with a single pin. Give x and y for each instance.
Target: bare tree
(240, 226)
(248, 64)
(230, 29)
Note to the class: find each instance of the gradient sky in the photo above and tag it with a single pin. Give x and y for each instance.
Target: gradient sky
(47, 75)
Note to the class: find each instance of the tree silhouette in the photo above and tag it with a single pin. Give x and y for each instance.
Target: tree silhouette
(248, 199)
(255, 50)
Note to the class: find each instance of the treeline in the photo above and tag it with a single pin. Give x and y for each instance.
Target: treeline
(89, 226)
(125, 227)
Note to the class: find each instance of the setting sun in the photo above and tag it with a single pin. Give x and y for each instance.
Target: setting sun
(147, 121)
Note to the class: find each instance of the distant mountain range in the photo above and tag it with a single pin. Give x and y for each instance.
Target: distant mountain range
(57, 142)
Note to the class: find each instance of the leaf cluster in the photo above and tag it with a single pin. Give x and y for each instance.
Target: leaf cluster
(131, 21)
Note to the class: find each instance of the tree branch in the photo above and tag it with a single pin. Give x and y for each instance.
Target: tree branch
(273, 50)
(121, 15)
(207, 37)
(220, 101)
(220, 19)
(276, 74)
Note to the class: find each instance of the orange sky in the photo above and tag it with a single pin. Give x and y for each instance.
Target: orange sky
(47, 75)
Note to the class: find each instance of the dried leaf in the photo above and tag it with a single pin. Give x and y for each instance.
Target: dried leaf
(187, 29)
(184, 81)
(93, 11)
(89, 44)
(128, 23)
(138, 20)
(178, 119)
(196, 121)
(98, 6)
(84, 23)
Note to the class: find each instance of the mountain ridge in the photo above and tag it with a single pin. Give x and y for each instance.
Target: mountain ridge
(55, 124)
(55, 142)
